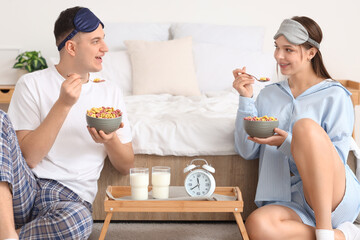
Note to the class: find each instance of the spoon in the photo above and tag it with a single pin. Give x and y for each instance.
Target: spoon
(262, 79)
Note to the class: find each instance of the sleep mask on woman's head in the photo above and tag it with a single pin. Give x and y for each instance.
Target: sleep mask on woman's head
(84, 21)
(295, 33)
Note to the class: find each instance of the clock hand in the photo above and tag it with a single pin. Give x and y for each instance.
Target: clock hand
(194, 187)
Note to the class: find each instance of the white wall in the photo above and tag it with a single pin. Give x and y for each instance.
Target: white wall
(29, 24)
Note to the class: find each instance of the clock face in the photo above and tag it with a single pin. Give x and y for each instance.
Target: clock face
(199, 183)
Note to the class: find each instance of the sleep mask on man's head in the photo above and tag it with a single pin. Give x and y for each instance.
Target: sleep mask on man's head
(84, 21)
(295, 33)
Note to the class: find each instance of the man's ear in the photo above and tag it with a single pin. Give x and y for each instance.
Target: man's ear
(70, 47)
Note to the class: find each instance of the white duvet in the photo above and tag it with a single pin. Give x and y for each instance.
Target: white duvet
(183, 126)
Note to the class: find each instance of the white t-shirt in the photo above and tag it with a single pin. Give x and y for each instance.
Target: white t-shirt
(74, 160)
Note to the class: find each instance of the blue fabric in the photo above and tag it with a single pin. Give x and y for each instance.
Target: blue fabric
(84, 21)
(327, 103)
(43, 208)
(346, 211)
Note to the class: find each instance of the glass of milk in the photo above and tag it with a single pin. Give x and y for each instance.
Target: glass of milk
(139, 182)
(160, 180)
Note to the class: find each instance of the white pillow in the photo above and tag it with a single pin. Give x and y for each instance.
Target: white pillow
(245, 38)
(117, 33)
(117, 68)
(215, 63)
(163, 67)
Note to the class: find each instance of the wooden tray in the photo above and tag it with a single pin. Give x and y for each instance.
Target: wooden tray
(111, 206)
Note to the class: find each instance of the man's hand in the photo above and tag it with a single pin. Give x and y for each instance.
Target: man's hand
(275, 140)
(70, 90)
(101, 137)
(121, 155)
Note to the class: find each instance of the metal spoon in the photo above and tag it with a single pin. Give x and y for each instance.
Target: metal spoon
(262, 79)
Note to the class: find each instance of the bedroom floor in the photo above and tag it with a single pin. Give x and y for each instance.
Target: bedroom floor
(173, 231)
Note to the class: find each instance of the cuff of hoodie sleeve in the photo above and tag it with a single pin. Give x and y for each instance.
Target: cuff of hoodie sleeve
(285, 147)
(246, 104)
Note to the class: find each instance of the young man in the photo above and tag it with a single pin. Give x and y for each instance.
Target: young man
(50, 196)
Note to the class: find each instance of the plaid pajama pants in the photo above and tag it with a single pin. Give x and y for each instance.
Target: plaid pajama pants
(43, 208)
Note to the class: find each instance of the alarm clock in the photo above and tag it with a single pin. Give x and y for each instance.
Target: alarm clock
(199, 182)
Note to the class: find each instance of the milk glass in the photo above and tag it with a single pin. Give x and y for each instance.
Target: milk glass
(160, 180)
(139, 182)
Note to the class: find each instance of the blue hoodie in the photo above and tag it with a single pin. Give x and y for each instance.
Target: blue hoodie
(328, 103)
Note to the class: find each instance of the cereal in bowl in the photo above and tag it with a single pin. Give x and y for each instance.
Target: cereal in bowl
(104, 112)
(263, 118)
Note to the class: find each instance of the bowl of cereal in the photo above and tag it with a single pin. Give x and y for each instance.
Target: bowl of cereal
(261, 127)
(106, 119)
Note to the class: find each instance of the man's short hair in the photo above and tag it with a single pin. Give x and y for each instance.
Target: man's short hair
(65, 24)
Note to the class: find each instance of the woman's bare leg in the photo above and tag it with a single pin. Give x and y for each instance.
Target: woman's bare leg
(320, 168)
(323, 176)
(277, 222)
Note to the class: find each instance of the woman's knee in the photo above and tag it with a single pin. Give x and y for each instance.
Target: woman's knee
(308, 134)
(305, 127)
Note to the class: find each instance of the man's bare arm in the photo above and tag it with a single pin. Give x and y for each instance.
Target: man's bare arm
(35, 144)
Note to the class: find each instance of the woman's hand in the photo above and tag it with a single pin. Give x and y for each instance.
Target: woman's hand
(275, 140)
(243, 82)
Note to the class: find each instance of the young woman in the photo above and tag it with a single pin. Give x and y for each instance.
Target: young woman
(305, 189)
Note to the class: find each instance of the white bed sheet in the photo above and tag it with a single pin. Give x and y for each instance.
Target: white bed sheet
(189, 126)
(183, 126)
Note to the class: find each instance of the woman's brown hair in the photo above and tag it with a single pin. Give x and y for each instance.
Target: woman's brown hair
(315, 33)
